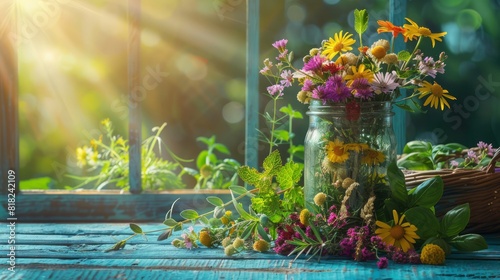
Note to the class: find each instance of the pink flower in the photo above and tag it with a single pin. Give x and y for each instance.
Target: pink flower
(383, 262)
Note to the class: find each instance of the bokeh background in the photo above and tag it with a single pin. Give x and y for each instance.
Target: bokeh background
(73, 70)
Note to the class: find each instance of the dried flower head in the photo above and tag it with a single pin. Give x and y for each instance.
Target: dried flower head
(320, 198)
(261, 246)
(230, 250)
(226, 241)
(304, 217)
(238, 243)
(205, 238)
(432, 254)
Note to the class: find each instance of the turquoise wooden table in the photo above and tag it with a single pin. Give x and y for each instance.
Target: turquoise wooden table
(77, 251)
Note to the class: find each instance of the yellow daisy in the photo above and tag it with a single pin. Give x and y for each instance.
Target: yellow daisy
(359, 72)
(339, 43)
(81, 155)
(401, 235)
(336, 151)
(437, 95)
(372, 157)
(413, 30)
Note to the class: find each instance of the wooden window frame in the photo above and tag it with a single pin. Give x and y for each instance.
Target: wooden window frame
(110, 206)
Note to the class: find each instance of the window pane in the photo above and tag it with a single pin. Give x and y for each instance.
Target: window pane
(73, 74)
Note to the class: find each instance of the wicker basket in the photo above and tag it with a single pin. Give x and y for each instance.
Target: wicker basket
(479, 188)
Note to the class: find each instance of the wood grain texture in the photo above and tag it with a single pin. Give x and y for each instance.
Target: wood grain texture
(76, 251)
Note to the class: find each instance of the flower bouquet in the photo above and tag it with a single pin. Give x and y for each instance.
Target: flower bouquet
(356, 202)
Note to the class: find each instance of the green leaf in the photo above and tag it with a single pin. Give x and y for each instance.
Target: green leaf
(263, 234)
(417, 146)
(291, 112)
(202, 159)
(403, 55)
(219, 211)
(282, 135)
(204, 220)
(469, 242)
(215, 201)
(289, 175)
(249, 175)
(424, 219)
(238, 190)
(165, 235)
(221, 148)
(189, 214)
(416, 161)
(272, 163)
(170, 222)
(208, 141)
(135, 228)
(428, 193)
(455, 220)
(248, 229)
(360, 21)
(244, 214)
(191, 171)
(440, 242)
(397, 183)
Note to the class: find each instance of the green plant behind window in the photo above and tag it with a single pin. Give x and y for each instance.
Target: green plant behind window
(105, 163)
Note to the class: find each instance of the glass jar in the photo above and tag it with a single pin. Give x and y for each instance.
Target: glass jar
(351, 140)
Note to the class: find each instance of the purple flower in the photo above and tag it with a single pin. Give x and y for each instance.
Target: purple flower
(377, 242)
(280, 45)
(265, 70)
(332, 218)
(347, 245)
(367, 254)
(282, 56)
(275, 90)
(319, 93)
(336, 90)
(471, 157)
(308, 85)
(361, 88)
(385, 82)
(486, 148)
(428, 67)
(287, 77)
(314, 64)
(413, 256)
(187, 241)
(383, 262)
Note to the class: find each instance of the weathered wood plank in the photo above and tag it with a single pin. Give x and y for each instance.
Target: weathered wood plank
(76, 251)
(102, 207)
(163, 250)
(255, 269)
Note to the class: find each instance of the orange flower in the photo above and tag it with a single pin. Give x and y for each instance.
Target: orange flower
(387, 26)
